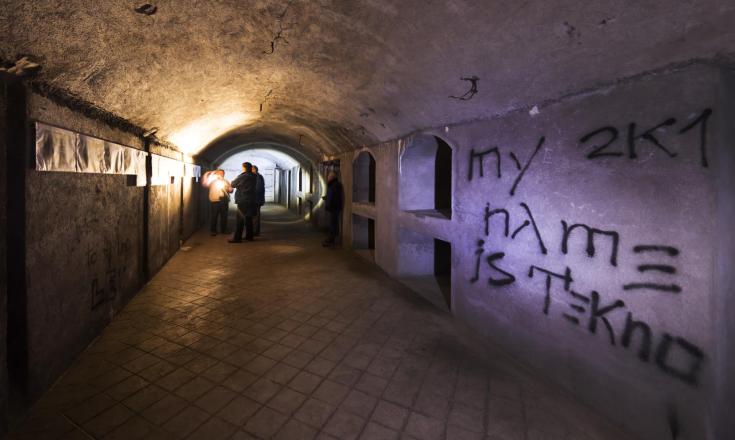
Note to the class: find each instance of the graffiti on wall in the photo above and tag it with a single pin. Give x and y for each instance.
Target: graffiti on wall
(594, 311)
(604, 142)
(672, 354)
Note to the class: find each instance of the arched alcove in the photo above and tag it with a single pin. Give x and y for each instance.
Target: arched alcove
(425, 181)
(363, 178)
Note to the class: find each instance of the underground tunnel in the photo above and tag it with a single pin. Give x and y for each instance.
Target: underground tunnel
(486, 220)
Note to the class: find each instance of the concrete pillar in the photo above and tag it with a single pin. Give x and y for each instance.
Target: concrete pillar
(723, 423)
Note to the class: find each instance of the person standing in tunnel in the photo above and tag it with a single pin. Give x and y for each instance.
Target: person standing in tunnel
(219, 200)
(333, 202)
(246, 200)
(260, 196)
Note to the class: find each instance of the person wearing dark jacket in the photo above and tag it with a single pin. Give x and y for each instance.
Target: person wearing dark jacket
(333, 202)
(260, 196)
(247, 202)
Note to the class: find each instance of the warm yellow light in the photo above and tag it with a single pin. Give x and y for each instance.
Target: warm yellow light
(195, 136)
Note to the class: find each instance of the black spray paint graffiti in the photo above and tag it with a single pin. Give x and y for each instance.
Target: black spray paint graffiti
(602, 141)
(491, 259)
(479, 157)
(605, 139)
(673, 355)
(469, 94)
(668, 252)
(489, 213)
(591, 233)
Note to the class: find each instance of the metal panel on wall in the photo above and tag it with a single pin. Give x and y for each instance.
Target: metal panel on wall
(58, 149)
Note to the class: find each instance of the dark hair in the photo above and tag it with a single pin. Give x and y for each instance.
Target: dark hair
(255, 167)
(248, 166)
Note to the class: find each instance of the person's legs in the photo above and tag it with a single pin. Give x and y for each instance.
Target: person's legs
(333, 228)
(223, 208)
(249, 227)
(240, 224)
(256, 220)
(213, 212)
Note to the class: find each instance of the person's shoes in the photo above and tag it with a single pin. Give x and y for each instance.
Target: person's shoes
(327, 243)
(249, 239)
(232, 240)
(212, 234)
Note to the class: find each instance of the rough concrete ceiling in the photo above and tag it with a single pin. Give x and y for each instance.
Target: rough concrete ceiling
(346, 72)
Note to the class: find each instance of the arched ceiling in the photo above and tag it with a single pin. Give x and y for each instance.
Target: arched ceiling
(259, 156)
(345, 73)
(282, 155)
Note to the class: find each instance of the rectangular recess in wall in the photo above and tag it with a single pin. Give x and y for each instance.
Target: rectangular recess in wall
(443, 268)
(363, 236)
(425, 266)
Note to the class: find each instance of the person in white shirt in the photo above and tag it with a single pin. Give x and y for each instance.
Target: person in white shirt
(219, 199)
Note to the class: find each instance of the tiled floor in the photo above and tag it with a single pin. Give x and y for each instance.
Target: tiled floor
(283, 339)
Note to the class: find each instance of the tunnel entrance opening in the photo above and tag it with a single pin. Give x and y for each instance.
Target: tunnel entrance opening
(425, 180)
(363, 178)
(284, 177)
(363, 236)
(425, 266)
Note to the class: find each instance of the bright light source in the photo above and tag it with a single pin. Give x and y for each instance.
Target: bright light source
(195, 136)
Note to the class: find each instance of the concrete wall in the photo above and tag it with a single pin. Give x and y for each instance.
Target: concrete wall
(636, 321)
(83, 250)
(85, 246)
